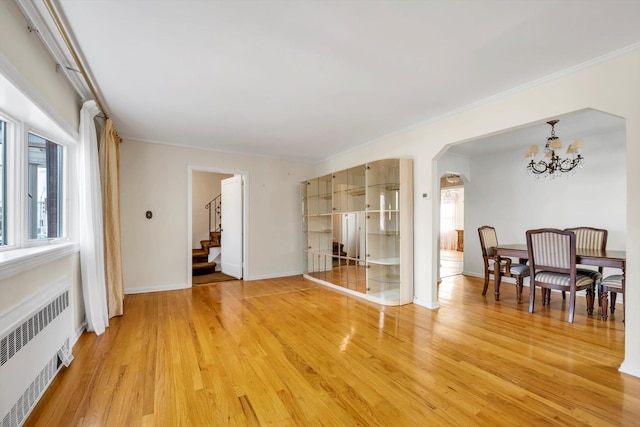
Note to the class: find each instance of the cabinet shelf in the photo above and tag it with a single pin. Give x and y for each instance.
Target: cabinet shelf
(386, 280)
(386, 186)
(389, 296)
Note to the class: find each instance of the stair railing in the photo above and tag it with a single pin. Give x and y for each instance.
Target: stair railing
(215, 211)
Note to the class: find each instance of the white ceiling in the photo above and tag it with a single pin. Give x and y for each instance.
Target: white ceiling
(310, 79)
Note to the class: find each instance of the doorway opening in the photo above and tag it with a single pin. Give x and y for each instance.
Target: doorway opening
(216, 226)
(451, 225)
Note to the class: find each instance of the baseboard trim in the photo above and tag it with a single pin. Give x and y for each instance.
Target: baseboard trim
(473, 274)
(161, 288)
(625, 368)
(272, 276)
(79, 332)
(424, 304)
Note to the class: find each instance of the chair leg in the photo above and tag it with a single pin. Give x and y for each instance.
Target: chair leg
(519, 281)
(532, 296)
(564, 297)
(546, 296)
(590, 297)
(614, 295)
(603, 304)
(486, 280)
(572, 305)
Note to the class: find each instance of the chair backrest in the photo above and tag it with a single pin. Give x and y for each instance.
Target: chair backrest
(551, 249)
(590, 238)
(488, 240)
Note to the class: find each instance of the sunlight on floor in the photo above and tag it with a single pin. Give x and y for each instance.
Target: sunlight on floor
(451, 263)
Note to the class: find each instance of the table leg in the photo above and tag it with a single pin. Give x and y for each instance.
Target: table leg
(624, 279)
(497, 277)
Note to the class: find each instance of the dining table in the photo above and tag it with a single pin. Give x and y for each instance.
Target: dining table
(595, 257)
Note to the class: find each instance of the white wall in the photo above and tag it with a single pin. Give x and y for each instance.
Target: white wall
(156, 255)
(594, 196)
(26, 64)
(35, 68)
(19, 288)
(204, 187)
(608, 86)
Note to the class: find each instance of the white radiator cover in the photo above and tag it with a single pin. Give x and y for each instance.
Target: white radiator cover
(31, 334)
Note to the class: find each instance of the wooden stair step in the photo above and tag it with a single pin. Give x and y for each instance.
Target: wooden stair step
(215, 237)
(199, 252)
(200, 259)
(203, 267)
(206, 244)
(197, 265)
(200, 255)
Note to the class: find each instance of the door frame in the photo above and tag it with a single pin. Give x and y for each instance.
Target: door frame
(440, 190)
(245, 217)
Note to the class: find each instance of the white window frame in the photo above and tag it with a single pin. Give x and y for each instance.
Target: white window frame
(64, 187)
(16, 165)
(13, 224)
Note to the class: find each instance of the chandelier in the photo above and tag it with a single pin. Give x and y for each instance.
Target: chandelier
(453, 179)
(555, 165)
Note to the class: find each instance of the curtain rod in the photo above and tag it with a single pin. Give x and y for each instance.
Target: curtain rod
(83, 71)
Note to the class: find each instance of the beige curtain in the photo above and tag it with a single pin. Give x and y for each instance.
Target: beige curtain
(109, 150)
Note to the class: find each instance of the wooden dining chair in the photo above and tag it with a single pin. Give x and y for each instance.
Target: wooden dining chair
(611, 284)
(590, 238)
(552, 264)
(507, 268)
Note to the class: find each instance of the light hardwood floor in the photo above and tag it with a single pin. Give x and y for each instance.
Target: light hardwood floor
(290, 352)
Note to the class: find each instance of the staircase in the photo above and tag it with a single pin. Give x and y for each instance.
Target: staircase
(201, 262)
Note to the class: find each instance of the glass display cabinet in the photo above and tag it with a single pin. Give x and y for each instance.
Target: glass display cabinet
(317, 225)
(357, 230)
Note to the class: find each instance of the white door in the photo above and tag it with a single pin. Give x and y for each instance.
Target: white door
(231, 236)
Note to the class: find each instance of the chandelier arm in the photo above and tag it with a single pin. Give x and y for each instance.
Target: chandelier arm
(537, 168)
(567, 165)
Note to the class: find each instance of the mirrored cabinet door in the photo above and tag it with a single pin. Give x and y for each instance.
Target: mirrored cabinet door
(357, 230)
(340, 192)
(357, 189)
(324, 195)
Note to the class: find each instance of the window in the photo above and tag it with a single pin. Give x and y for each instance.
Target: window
(32, 191)
(44, 189)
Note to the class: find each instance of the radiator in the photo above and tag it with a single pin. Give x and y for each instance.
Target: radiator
(34, 343)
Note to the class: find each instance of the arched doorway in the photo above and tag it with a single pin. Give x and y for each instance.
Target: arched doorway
(451, 225)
